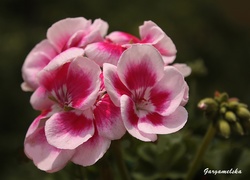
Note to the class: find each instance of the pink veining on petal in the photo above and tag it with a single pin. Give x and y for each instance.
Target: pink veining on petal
(113, 84)
(104, 52)
(67, 130)
(157, 124)
(171, 89)
(140, 66)
(108, 118)
(130, 120)
(83, 82)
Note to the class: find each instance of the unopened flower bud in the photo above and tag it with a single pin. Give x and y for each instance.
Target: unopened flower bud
(208, 104)
(221, 97)
(237, 127)
(224, 128)
(233, 104)
(230, 116)
(223, 110)
(243, 113)
(242, 105)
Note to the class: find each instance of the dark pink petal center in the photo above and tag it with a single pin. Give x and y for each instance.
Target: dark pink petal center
(140, 76)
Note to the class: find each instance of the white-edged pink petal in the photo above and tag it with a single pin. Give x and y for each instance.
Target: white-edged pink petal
(113, 84)
(153, 34)
(68, 130)
(63, 58)
(36, 60)
(45, 156)
(184, 69)
(91, 151)
(157, 124)
(104, 52)
(168, 93)
(40, 99)
(121, 38)
(60, 32)
(140, 66)
(130, 120)
(83, 83)
(108, 119)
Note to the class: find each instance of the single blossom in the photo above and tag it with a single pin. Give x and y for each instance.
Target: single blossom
(50, 158)
(149, 94)
(110, 50)
(62, 35)
(78, 119)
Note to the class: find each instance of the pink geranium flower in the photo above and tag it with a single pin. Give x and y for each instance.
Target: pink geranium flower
(64, 34)
(109, 51)
(149, 94)
(78, 119)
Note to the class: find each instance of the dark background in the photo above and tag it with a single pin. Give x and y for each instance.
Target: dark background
(216, 33)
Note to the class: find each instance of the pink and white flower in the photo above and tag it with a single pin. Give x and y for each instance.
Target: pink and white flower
(149, 94)
(109, 51)
(78, 119)
(91, 90)
(63, 35)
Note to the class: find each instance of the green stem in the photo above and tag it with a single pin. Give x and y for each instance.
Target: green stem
(120, 162)
(201, 151)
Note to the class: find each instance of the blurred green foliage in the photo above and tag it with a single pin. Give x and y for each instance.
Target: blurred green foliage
(213, 35)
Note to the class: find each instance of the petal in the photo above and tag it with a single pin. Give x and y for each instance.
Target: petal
(108, 119)
(130, 120)
(101, 26)
(68, 130)
(185, 96)
(168, 93)
(39, 99)
(39, 122)
(57, 69)
(157, 124)
(36, 60)
(184, 69)
(140, 66)
(113, 85)
(63, 58)
(119, 37)
(45, 156)
(104, 52)
(26, 87)
(91, 151)
(60, 32)
(151, 33)
(168, 59)
(83, 83)
(94, 33)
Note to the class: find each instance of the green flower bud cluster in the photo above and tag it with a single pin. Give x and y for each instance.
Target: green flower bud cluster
(228, 114)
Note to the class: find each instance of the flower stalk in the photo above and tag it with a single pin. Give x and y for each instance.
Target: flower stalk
(119, 161)
(211, 131)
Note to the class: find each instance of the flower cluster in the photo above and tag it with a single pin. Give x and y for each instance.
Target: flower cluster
(228, 114)
(92, 88)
